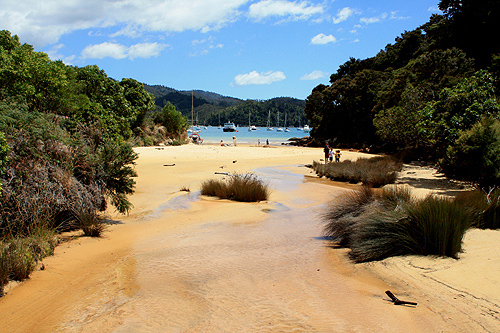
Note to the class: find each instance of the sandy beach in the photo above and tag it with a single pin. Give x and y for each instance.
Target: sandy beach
(181, 262)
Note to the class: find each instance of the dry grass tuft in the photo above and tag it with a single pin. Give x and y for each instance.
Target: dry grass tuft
(238, 187)
(374, 172)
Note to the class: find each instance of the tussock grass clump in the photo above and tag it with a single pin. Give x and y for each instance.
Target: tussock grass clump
(375, 172)
(19, 256)
(89, 221)
(392, 222)
(185, 188)
(238, 187)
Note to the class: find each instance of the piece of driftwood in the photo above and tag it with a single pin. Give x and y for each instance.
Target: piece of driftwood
(168, 164)
(222, 173)
(396, 300)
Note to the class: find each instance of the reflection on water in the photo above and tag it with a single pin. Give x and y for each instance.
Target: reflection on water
(278, 207)
(179, 202)
(282, 180)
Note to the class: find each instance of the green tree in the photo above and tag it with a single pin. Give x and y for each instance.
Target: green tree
(139, 99)
(173, 121)
(473, 22)
(475, 155)
(459, 108)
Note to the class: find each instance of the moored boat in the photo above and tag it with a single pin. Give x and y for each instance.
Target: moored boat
(229, 127)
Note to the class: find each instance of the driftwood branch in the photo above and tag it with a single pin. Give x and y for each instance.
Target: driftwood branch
(397, 301)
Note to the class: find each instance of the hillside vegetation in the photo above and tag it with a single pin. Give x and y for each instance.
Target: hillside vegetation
(433, 94)
(64, 150)
(214, 109)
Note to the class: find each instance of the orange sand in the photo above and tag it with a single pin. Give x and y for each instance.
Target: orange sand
(216, 266)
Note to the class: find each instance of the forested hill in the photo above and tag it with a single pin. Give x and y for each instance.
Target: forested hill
(214, 109)
(422, 91)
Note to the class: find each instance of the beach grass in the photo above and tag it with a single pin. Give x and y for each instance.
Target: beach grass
(391, 223)
(19, 256)
(375, 172)
(238, 187)
(185, 188)
(89, 221)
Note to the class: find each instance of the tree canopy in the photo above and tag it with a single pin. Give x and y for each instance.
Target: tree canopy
(422, 92)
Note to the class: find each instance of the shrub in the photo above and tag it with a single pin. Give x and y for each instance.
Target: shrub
(238, 187)
(485, 207)
(117, 162)
(475, 155)
(374, 172)
(377, 226)
(4, 150)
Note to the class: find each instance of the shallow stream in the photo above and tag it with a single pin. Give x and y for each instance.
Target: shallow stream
(274, 275)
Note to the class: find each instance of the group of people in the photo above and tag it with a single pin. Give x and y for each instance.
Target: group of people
(225, 144)
(329, 154)
(267, 142)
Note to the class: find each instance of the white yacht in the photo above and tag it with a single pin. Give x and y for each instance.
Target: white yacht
(229, 127)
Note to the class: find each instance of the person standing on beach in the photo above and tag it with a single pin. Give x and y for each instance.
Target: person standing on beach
(326, 150)
(267, 142)
(258, 142)
(234, 141)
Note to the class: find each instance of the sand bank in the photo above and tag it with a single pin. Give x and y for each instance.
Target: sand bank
(184, 263)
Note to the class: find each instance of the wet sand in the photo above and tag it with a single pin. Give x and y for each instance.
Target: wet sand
(186, 263)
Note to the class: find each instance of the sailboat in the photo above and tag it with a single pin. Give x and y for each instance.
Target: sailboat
(286, 128)
(198, 127)
(269, 128)
(250, 127)
(192, 114)
(279, 129)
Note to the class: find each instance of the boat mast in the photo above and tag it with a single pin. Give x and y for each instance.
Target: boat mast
(192, 109)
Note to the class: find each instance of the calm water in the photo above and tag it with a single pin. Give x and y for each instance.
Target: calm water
(214, 135)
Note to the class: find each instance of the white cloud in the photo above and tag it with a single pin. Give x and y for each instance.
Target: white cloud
(202, 46)
(343, 15)
(41, 23)
(314, 75)
(395, 16)
(296, 9)
(105, 50)
(374, 19)
(323, 39)
(145, 50)
(119, 51)
(254, 78)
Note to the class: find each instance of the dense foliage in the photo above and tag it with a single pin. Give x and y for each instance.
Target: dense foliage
(420, 93)
(63, 150)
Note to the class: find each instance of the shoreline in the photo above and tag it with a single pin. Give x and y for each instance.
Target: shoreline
(87, 272)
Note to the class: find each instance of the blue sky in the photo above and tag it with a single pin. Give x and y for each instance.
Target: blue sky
(246, 49)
